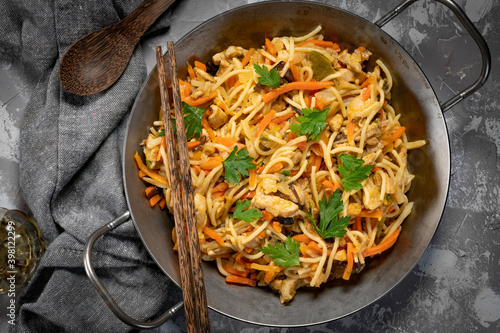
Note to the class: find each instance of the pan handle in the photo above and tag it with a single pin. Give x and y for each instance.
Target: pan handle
(87, 261)
(469, 26)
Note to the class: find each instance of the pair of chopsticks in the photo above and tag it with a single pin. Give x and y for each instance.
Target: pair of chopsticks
(191, 272)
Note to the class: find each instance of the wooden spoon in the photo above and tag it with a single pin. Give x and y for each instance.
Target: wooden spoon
(94, 62)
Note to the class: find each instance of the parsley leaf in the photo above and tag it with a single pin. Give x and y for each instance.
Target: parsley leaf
(266, 77)
(286, 172)
(284, 254)
(247, 215)
(329, 223)
(353, 172)
(192, 119)
(312, 122)
(236, 165)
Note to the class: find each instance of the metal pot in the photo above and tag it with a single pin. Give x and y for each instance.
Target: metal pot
(412, 95)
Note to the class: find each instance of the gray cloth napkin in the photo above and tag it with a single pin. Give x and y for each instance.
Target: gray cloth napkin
(71, 174)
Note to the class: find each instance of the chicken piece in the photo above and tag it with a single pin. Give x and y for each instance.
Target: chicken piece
(218, 117)
(275, 205)
(151, 149)
(370, 158)
(286, 287)
(358, 108)
(200, 204)
(371, 194)
(351, 76)
(269, 185)
(352, 61)
(373, 129)
(335, 122)
(389, 186)
(228, 54)
(354, 209)
(201, 90)
(202, 74)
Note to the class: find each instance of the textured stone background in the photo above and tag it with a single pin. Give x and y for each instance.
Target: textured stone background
(455, 285)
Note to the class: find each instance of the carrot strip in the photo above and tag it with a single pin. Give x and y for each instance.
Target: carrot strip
(322, 43)
(234, 271)
(266, 268)
(244, 261)
(252, 178)
(386, 244)
(154, 200)
(309, 85)
(211, 163)
(216, 195)
(270, 48)
(316, 148)
(399, 132)
(240, 280)
(200, 65)
(267, 215)
(295, 71)
(164, 145)
(230, 82)
(275, 168)
(162, 203)
(330, 186)
(220, 187)
(303, 238)
(208, 128)
(276, 226)
(350, 262)
(229, 143)
(192, 144)
(366, 94)
(191, 73)
(265, 121)
(201, 100)
(248, 195)
(148, 172)
(269, 276)
(141, 174)
(315, 161)
(319, 104)
(381, 113)
(212, 234)
(247, 56)
(315, 247)
(376, 213)
(357, 224)
(368, 81)
(149, 191)
(350, 131)
(280, 119)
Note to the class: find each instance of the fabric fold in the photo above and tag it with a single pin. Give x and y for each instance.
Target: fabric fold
(71, 174)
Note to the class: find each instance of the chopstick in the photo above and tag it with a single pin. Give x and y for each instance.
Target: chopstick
(191, 271)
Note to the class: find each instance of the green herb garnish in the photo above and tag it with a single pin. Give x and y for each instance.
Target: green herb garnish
(286, 172)
(284, 254)
(330, 225)
(353, 172)
(247, 215)
(266, 77)
(312, 123)
(192, 119)
(236, 165)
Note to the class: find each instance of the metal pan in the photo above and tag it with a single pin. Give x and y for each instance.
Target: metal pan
(422, 115)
